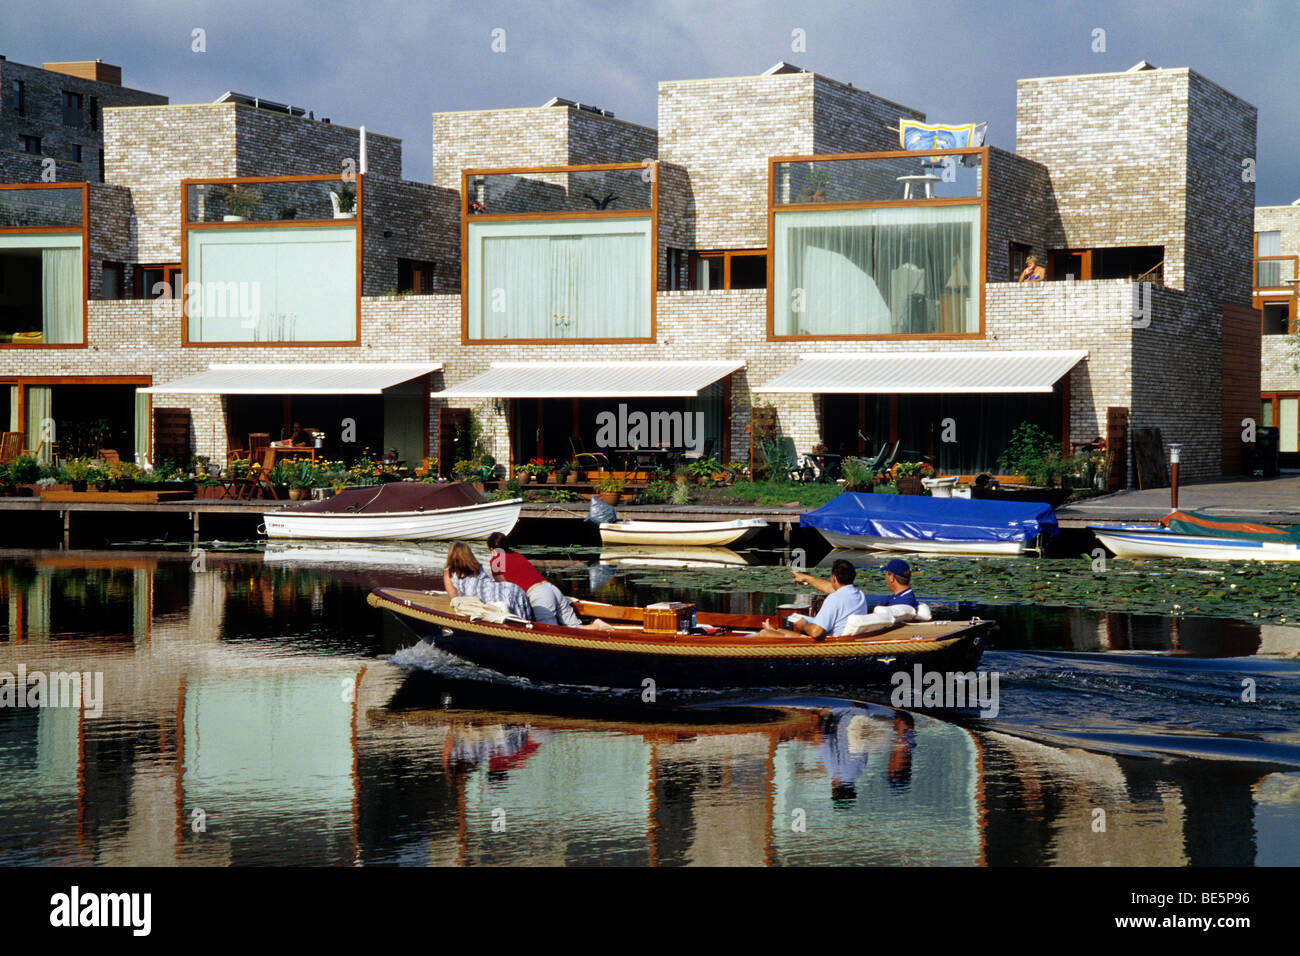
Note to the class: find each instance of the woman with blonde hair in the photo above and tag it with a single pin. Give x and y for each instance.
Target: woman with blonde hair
(464, 576)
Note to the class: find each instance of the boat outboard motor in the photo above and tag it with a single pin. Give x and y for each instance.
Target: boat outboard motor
(599, 512)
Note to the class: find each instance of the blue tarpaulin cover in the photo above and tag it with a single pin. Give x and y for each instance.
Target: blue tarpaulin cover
(917, 518)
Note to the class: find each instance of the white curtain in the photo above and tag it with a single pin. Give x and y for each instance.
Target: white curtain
(40, 409)
(142, 409)
(877, 271)
(584, 279)
(515, 291)
(1270, 273)
(273, 285)
(61, 306)
(14, 424)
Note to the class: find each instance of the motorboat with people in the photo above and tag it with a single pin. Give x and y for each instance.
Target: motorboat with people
(1194, 534)
(396, 511)
(677, 647)
(921, 525)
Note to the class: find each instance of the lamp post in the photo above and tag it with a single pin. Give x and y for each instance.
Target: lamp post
(1174, 451)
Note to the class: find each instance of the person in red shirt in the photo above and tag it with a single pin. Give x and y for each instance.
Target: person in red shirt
(550, 606)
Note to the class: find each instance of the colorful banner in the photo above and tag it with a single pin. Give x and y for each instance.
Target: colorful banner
(914, 135)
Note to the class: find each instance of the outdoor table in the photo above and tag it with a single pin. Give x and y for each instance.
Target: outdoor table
(652, 455)
(927, 181)
(829, 465)
(294, 450)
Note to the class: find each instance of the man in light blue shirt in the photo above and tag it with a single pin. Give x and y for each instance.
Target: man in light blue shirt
(842, 601)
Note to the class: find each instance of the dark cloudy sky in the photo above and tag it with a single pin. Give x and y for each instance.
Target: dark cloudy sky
(389, 63)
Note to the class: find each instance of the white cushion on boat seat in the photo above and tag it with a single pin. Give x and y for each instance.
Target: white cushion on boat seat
(923, 613)
(858, 625)
(899, 613)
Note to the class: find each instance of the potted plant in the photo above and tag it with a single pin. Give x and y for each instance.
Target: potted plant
(464, 470)
(908, 474)
(24, 472)
(6, 486)
(609, 490)
(240, 203)
(302, 476)
(706, 472)
(535, 470)
(572, 472)
(344, 201)
(123, 475)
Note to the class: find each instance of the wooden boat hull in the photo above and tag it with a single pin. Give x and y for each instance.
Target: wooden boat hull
(696, 534)
(630, 658)
(863, 542)
(1152, 541)
(472, 522)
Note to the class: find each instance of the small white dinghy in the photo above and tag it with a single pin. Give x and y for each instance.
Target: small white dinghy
(697, 534)
(399, 511)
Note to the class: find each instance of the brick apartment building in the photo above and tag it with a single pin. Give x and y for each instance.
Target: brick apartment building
(1277, 253)
(769, 243)
(56, 112)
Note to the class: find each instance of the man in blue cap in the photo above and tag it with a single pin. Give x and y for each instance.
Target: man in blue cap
(897, 579)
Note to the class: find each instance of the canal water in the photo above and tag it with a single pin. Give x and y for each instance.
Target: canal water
(247, 710)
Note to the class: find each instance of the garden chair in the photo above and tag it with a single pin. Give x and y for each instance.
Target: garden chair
(588, 460)
(11, 446)
(258, 442)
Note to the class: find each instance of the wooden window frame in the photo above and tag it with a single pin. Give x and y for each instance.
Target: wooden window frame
(186, 226)
(1085, 263)
(170, 271)
(1261, 300)
(982, 201)
(726, 255)
(1275, 397)
(84, 231)
(466, 218)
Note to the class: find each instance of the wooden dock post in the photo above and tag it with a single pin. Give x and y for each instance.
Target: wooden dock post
(67, 519)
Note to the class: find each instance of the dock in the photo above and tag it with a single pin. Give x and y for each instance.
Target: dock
(1270, 501)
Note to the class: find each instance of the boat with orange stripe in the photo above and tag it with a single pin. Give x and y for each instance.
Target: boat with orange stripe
(1194, 534)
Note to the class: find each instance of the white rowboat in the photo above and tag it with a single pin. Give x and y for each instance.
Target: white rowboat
(705, 534)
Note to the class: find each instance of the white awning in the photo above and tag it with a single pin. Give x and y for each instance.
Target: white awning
(946, 373)
(262, 379)
(592, 380)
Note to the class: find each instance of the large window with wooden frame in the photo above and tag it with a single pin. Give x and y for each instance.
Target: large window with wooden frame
(272, 260)
(1274, 285)
(559, 254)
(880, 244)
(43, 265)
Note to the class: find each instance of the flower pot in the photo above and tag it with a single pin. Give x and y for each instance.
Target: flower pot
(104, 485)
(478, 486)
(572, 479)
(909, 485)
(296, 494)
(609, 497)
